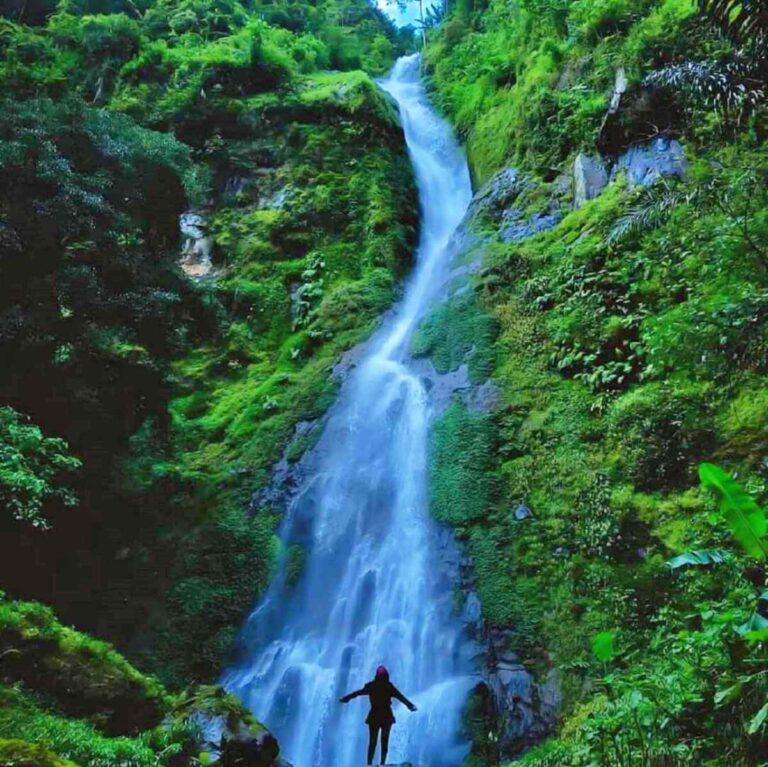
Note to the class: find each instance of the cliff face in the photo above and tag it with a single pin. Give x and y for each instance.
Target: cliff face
(617, 311)
(204, 205)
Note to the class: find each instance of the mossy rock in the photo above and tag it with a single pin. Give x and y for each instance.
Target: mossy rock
(87, 678)
(19, 753)
(230, 735)
(214, 701)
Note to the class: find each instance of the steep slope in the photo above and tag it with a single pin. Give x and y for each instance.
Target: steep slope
(174, 393)
(623, 327)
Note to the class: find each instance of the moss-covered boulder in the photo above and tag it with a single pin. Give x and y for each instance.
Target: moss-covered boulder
(85, 677)
(19, 753)
(228, 734)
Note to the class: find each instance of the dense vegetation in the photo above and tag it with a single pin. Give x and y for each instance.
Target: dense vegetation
(142, 406)
(630, 348)
(66, 698)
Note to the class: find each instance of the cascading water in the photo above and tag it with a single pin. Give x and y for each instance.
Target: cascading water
(372, 589)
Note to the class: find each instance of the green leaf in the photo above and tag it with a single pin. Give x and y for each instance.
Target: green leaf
(756, 624)
(744, 517)
(699, 558)
(603, 646)
(758, 720)
(729, 694)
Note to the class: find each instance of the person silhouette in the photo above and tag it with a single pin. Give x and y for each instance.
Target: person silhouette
(380, 692)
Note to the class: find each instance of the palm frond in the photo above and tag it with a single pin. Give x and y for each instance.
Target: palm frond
(652, 207)
(742, 20)
(736, 85)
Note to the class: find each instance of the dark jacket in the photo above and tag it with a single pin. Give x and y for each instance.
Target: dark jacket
(380, 693)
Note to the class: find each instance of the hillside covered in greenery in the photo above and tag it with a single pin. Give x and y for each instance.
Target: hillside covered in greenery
(627, 339)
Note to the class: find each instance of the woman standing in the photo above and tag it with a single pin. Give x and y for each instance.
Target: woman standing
(380, 691)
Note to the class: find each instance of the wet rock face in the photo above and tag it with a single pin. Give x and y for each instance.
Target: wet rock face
(250, 751)
(502, 202)
(518, 228)
(500, 192)
(517, 710)
(526, 709)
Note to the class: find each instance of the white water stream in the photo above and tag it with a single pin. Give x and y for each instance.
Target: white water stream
(372, 590)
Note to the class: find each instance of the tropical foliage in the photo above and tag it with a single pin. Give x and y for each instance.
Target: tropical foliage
(142, 406)
(629, 350)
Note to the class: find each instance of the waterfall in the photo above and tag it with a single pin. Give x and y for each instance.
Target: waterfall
(374, 588)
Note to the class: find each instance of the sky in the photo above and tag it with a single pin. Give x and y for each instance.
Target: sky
(401, 18)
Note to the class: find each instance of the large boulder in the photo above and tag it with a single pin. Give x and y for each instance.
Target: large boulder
(227, 733)
(83, 677)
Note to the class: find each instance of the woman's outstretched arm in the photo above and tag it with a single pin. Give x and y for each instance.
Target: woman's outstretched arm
(397, 694)
(348, 697)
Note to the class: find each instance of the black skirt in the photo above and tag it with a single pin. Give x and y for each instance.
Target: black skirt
(380, 717)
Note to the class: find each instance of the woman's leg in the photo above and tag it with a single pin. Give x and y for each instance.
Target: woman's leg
(373, 736)
(385, 742)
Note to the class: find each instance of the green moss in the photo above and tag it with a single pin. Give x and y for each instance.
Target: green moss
(87, 678)
(742, 424)
(459, 331)
(20, 753)
(461, 466)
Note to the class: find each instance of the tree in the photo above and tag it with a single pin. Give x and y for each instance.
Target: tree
(32, 469)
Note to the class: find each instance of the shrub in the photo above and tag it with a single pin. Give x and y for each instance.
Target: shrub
(32, 467)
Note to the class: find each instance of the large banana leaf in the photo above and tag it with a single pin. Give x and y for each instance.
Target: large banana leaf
(699, 558)
(744, 517)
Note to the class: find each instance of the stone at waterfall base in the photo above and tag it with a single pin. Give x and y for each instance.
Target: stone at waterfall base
(229, 735)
